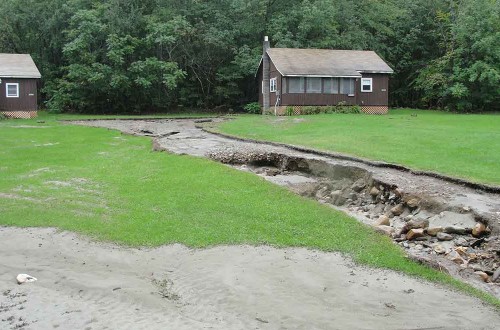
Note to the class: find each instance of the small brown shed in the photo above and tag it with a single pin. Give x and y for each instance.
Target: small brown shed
(322, 77)
(18, 86)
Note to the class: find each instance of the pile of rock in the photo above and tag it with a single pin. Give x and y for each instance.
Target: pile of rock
(456, 236)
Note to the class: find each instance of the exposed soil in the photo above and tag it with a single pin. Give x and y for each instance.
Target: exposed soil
(89, 285)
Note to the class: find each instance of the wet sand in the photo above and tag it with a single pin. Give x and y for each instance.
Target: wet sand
(90, 285)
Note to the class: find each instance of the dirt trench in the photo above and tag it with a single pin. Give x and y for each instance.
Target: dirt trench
(443, 224)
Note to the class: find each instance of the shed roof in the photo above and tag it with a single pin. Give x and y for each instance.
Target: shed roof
(326, 62)
(18, 66)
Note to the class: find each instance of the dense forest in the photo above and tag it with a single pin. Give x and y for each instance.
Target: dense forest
(159, 55)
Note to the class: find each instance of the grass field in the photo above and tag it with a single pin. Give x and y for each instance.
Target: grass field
(44, 115)
(113, 187)
(465, 146)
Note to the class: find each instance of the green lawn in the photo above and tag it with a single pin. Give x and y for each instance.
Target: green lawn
(466, 146)
(43, 115)
(113, 187)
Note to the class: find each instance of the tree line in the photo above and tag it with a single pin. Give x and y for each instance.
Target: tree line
(134, 56)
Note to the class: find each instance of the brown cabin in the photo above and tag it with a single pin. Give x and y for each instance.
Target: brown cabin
(18, 86)
(322, 77)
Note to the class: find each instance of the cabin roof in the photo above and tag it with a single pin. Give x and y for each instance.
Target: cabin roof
(18, 66)
(326, 62)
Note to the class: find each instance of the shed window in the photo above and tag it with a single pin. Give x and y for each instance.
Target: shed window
(347, 86)
(331, 85)
(366, 85)
(296, 85)
(273, 86)
(12, 90)
(313, 85)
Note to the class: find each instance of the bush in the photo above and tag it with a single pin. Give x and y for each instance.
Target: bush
(341, 107)
(348, 109)
(253, 107)
(289, 110)
(311, 110)
(2, 116)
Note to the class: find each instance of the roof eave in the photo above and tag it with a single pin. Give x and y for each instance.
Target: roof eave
(322, 75)
(21, 76)
(376, 71)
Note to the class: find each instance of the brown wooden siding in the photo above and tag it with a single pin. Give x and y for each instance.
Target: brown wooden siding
(378, 97)
(274, 73)
(316, 99)
(27, 100)
(259, 82)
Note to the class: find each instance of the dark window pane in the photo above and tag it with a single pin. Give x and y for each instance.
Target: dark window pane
(12, 90)
(347, 86)
(313, 85)
(296, 85)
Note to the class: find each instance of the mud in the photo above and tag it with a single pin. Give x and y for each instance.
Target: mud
(363, 189)
(90, 285)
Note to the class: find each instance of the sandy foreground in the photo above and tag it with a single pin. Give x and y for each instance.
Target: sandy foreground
(90, 285)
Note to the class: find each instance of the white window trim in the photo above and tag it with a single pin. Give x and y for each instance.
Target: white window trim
(371, 85)
(273, 85)
(7, 89)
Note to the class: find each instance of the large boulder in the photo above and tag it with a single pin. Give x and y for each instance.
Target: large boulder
(359, 185)
(415, 233)
(385, 230)
(413, 203)
(383, 220)
(444, 236)
(479, 229)
(433, 231)
(418, 223)
(398, 209)
(374, 191)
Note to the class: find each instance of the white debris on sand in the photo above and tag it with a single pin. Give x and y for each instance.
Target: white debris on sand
(25, 278)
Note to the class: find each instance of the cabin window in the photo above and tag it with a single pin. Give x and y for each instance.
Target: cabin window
(366, 85)
(296, 85)
(347, 86)
(273, 86)
(12, 90)
(313, 85)
(331, 85)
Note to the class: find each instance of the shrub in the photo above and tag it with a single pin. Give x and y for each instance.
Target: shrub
(341, 107)
(253, 107)
(311, 110)
(289, 111)
(2, 116)
(349, 109)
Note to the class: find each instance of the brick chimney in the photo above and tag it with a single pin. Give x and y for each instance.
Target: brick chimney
(266, 75)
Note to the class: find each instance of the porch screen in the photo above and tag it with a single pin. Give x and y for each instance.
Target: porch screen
(347, 86)
(295, 84)
(331, 85)
(314, 85)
